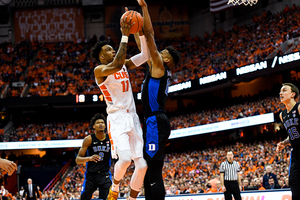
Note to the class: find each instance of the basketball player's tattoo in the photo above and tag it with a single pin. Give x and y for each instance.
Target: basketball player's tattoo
(121, 54)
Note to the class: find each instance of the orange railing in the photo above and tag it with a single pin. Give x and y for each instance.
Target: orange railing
(58, 176)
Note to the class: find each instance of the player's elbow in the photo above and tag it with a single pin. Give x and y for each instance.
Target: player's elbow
(77, 161)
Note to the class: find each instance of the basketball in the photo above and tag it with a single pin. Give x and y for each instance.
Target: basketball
(135, 17)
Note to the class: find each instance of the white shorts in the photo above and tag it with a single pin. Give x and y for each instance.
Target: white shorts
(125, 133)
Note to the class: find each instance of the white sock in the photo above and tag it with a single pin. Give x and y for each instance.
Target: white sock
(115, 187)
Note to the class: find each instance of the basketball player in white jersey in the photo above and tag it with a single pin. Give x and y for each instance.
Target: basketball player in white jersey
(123, 123)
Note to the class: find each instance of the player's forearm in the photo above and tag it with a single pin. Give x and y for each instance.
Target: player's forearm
(148, 29)
(137, 40)
(120, 56)
(81, 160)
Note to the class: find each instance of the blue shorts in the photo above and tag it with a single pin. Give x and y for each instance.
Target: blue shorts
(156, 131)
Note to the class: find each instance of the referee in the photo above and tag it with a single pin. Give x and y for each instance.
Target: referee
(230, 178)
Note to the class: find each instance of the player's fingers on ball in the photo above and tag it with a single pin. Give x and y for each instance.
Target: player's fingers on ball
(131, 24)
(125, 19)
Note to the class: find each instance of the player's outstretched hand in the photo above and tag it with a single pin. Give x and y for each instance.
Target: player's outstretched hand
(95, 158)
(126, 25)
(142, 2)
(8, 166)
(280, 146)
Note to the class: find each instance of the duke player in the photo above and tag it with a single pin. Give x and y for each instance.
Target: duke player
(123, 123)
(96, 147)
(290, 119)
(156, 127)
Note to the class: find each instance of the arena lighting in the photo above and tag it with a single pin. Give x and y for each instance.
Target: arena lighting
(212, 78)
(251, 68)
(222, 126)
(173, 88)
(180, 86)
(288, 58)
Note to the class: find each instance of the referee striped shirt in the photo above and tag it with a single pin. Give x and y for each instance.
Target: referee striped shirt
(230, 170)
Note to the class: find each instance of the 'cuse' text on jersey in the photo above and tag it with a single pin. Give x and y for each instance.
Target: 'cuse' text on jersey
(121, 75)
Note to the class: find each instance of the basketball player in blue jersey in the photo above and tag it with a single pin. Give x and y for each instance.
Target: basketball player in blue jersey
(290, 119)
(95, 152)
(156, 127)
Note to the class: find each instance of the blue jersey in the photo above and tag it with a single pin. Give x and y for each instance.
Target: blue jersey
(102, 148)
(155, 92)
(291, 124)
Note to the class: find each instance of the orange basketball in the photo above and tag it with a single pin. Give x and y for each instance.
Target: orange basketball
(135, 17)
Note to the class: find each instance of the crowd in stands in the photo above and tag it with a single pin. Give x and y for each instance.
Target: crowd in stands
(49, 131)
(245, 109)
(65, 68)
(14, 60)
(197, 171)
(80, 129)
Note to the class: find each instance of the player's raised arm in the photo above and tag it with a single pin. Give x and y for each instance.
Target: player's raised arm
(111, 61)
(156, 60)
(142, 57)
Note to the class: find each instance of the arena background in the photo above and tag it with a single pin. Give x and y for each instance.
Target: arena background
(24, 22)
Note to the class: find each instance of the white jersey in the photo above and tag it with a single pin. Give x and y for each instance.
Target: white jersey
(117, 92)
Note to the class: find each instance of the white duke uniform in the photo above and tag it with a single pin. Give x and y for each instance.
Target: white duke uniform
(124, 128)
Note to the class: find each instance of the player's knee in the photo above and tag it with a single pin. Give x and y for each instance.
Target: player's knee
(140, 165)
(124, 162)
(125, 158)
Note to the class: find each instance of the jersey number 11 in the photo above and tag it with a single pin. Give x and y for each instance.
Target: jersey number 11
(125, 85)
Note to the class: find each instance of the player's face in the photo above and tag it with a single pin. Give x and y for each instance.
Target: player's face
(107, 53)
(286, 93)
(99, 125)
(165, 55)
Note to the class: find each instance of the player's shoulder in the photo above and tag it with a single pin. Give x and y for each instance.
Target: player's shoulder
(87, 140)
(298, 108)
(99, 67)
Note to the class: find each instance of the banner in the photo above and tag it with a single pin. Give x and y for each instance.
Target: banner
(41, 144)
(221, 126)
(280, 194)
(167, 21)
(49, 25)
(112, 22)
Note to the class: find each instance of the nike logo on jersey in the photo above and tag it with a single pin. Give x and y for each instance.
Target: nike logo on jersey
(107, 176)
(151, 184)
(95, 143)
